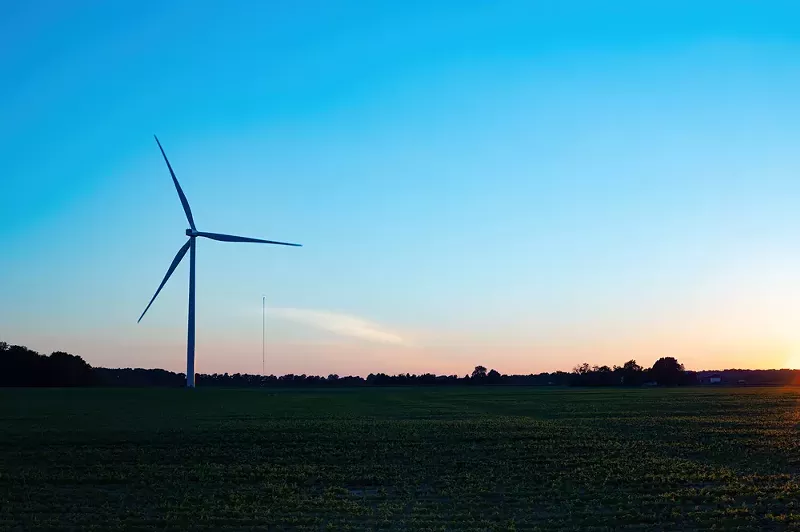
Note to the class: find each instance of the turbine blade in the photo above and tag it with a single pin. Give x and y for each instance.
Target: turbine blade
(232, 238)
(181, 195)
(177, 260)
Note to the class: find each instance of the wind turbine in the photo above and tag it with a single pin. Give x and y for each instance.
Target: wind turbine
(193, 233)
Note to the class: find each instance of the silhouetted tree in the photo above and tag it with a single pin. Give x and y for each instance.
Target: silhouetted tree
(667, 371)
(20, 366)
(479, 372)
(631, 373)
(69, 370)
(582, 369)
(604, 376)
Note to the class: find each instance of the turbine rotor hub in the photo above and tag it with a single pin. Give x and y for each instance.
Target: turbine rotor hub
(191, 232)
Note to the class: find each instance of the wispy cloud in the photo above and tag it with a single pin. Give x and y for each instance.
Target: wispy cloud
(341, 324)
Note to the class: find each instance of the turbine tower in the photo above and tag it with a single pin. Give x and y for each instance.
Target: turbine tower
(189, 246)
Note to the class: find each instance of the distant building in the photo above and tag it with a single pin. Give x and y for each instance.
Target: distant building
(714, 378)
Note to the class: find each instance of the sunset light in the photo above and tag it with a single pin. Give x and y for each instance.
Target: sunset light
(510, 265)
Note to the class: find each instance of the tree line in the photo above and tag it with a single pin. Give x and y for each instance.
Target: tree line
(20, 366)
(666, 371)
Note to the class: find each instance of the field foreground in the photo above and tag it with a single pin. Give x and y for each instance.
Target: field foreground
(399, 459)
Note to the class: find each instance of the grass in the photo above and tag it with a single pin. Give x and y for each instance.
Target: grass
(399, 459)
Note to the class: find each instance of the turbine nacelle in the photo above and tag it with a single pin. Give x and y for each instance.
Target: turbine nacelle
(191, 232)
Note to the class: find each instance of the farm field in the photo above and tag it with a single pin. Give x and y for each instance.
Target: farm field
(483, 458)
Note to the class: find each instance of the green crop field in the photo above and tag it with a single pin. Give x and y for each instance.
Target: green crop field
(399, 459)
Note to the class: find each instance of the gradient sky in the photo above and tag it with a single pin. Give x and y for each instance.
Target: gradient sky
(526, 185)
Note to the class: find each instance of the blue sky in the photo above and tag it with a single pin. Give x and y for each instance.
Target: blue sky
(526, 185)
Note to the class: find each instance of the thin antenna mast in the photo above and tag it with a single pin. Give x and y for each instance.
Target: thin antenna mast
(263, 335)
